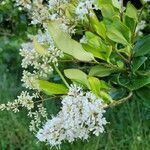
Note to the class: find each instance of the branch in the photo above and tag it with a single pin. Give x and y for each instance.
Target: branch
(116, 103)
(61, 76)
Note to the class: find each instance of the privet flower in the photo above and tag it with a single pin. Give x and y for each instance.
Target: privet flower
(37, 117)
(39, 12)
(81, 115)
(84, 7)
(141, 25)
(23, 3)
(42, 64)
(24, 100)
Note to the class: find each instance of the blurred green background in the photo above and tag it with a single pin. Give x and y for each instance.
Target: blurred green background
(128, 127)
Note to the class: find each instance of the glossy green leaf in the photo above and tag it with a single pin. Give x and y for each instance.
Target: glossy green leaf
(101, 71)
(95, 85)
(138, 62)
(98, 26)
(119, 33)
(134, 83)
(97, 88)
(130, 23)
(131, 11)
(108, 11)
(97, 47)
(52, 88)
(106, 97)
(69, 46)
(142, 46)
(77, 76)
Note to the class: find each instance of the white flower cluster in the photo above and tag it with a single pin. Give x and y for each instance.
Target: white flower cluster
(81, 114)
(141, 25)
(83, 8)
(40, 12)
(57, 13)
(24, 100)
(37, 117)
(24, 3)
(42, 64)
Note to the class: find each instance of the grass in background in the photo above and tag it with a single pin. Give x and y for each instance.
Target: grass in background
(127, 130)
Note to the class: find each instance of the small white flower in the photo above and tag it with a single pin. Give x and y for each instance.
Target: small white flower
(83, 40)
(81, 114)
(84, 7)
(141, 25)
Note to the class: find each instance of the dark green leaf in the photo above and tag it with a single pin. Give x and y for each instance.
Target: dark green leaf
(144, 94)
(138, 62)
(142, 46)
(134, 83)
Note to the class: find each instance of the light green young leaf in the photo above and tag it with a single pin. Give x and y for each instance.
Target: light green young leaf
(101, 71)
(38, 47)
(97, 47)
(69, 46)
(108, 11)
(97, 87)
(120, 33)
(94, 85)
(131, 11)
(98, 26)
(116, 4)
(52, 88)
(77, 76)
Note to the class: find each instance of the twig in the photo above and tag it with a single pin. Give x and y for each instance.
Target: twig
(62, 77)
(116, 103)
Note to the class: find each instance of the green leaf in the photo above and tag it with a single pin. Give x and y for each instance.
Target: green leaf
(131, 11)
(116, 4)
(138, 62)
(97, 47)
(106, 97)
(130, 23)
(144, 94)
(38, 47)
(119, 33)
(97, 86)
(118, 93)
(108, 11)
(69, 46)
(142, 46)
(98, 26)
(101, 71)
(77, 76)
(52, 88)
(134, 83)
